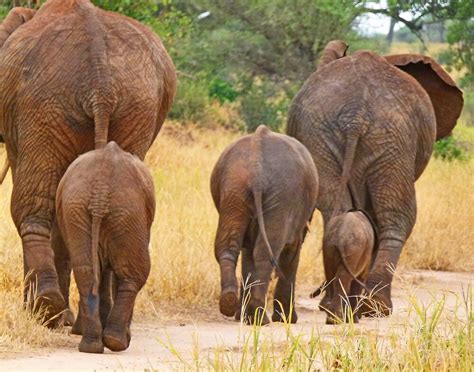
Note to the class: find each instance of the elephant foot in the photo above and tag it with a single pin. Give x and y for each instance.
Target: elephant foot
(52, 303)
(258, 317)
(228, 303)
(325, 302)
(88, 345)
(115, 340)
(376, 305)
(291, 318)
(68, 318)
(77, 327)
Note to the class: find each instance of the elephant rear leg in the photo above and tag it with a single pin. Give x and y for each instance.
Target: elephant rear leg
(231, 230)
(256, 308)
(130, 262)
(62, 263)
(88, 320)
(35, 180)
(117, 334)
(339, 309)
(284, 299)
(394, 205)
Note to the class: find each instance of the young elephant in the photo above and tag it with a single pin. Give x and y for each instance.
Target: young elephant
(348, 246)
(264, 187)
(105, 206)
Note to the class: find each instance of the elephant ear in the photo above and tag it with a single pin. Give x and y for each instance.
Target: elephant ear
(445, 96)
(335, 49)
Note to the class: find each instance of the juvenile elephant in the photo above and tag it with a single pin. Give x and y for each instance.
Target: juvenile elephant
(348, 249)
(71, 79)
(105, 206)
(264, 187)
(370, 123)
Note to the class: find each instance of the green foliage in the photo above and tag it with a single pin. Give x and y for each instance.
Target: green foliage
(274, 39)
(222, 90)
(142, 10)
(448, 149)
(461, 40)
(261, 105)
(191, 102)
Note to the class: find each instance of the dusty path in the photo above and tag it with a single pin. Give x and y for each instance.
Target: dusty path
(150, 348)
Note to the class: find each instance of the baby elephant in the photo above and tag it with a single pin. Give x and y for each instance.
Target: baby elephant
(105, 206)
(348, 246)
(264, 187)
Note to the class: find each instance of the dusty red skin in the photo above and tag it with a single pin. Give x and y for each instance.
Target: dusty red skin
(348, 248)
(105, 206)
(73, 78)
(264, 187)
(370, 125)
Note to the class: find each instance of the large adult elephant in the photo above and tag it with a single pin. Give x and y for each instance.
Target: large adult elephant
(370, 124)
(71, 79)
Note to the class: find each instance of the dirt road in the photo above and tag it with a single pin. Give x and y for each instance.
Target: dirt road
(161, 347)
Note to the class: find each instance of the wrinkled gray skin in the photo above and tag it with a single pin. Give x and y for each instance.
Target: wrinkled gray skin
(264, 187)
(370, 128)
(105, 206)
(347, 253)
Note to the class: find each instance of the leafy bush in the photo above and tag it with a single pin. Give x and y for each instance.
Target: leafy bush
(261, 104)
(222, 90)
(448, 149)
(192, 101)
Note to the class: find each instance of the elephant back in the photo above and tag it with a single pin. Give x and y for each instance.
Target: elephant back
(446, 97)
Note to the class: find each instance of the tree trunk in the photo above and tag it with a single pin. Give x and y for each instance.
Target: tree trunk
(393, 22)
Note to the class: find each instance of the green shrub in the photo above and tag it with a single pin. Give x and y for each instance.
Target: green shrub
(448, 149)
(222, 90)
(192, 101)
(263, 104)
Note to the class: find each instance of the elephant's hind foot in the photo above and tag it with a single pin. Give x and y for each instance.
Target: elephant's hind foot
(95, 346)
(325, 302)
(116, 341)
(68, 318)
(284, 318)
(77, 327)
(52, 303)
(228, 303)
(376, 305)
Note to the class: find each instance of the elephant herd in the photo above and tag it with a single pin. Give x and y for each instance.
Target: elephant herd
(83, 95)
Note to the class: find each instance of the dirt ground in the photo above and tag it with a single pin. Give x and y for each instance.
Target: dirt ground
(150, 348)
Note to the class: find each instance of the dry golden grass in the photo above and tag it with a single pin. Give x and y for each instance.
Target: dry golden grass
(184, 272)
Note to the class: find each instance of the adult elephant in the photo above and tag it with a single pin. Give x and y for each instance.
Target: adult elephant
(370, 123)
(71, 79)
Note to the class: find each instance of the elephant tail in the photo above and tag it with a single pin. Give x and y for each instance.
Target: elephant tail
(257, 191)
(98, 209)
(349, 154)
(101, 124)
(257, 195)
(102, 102)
